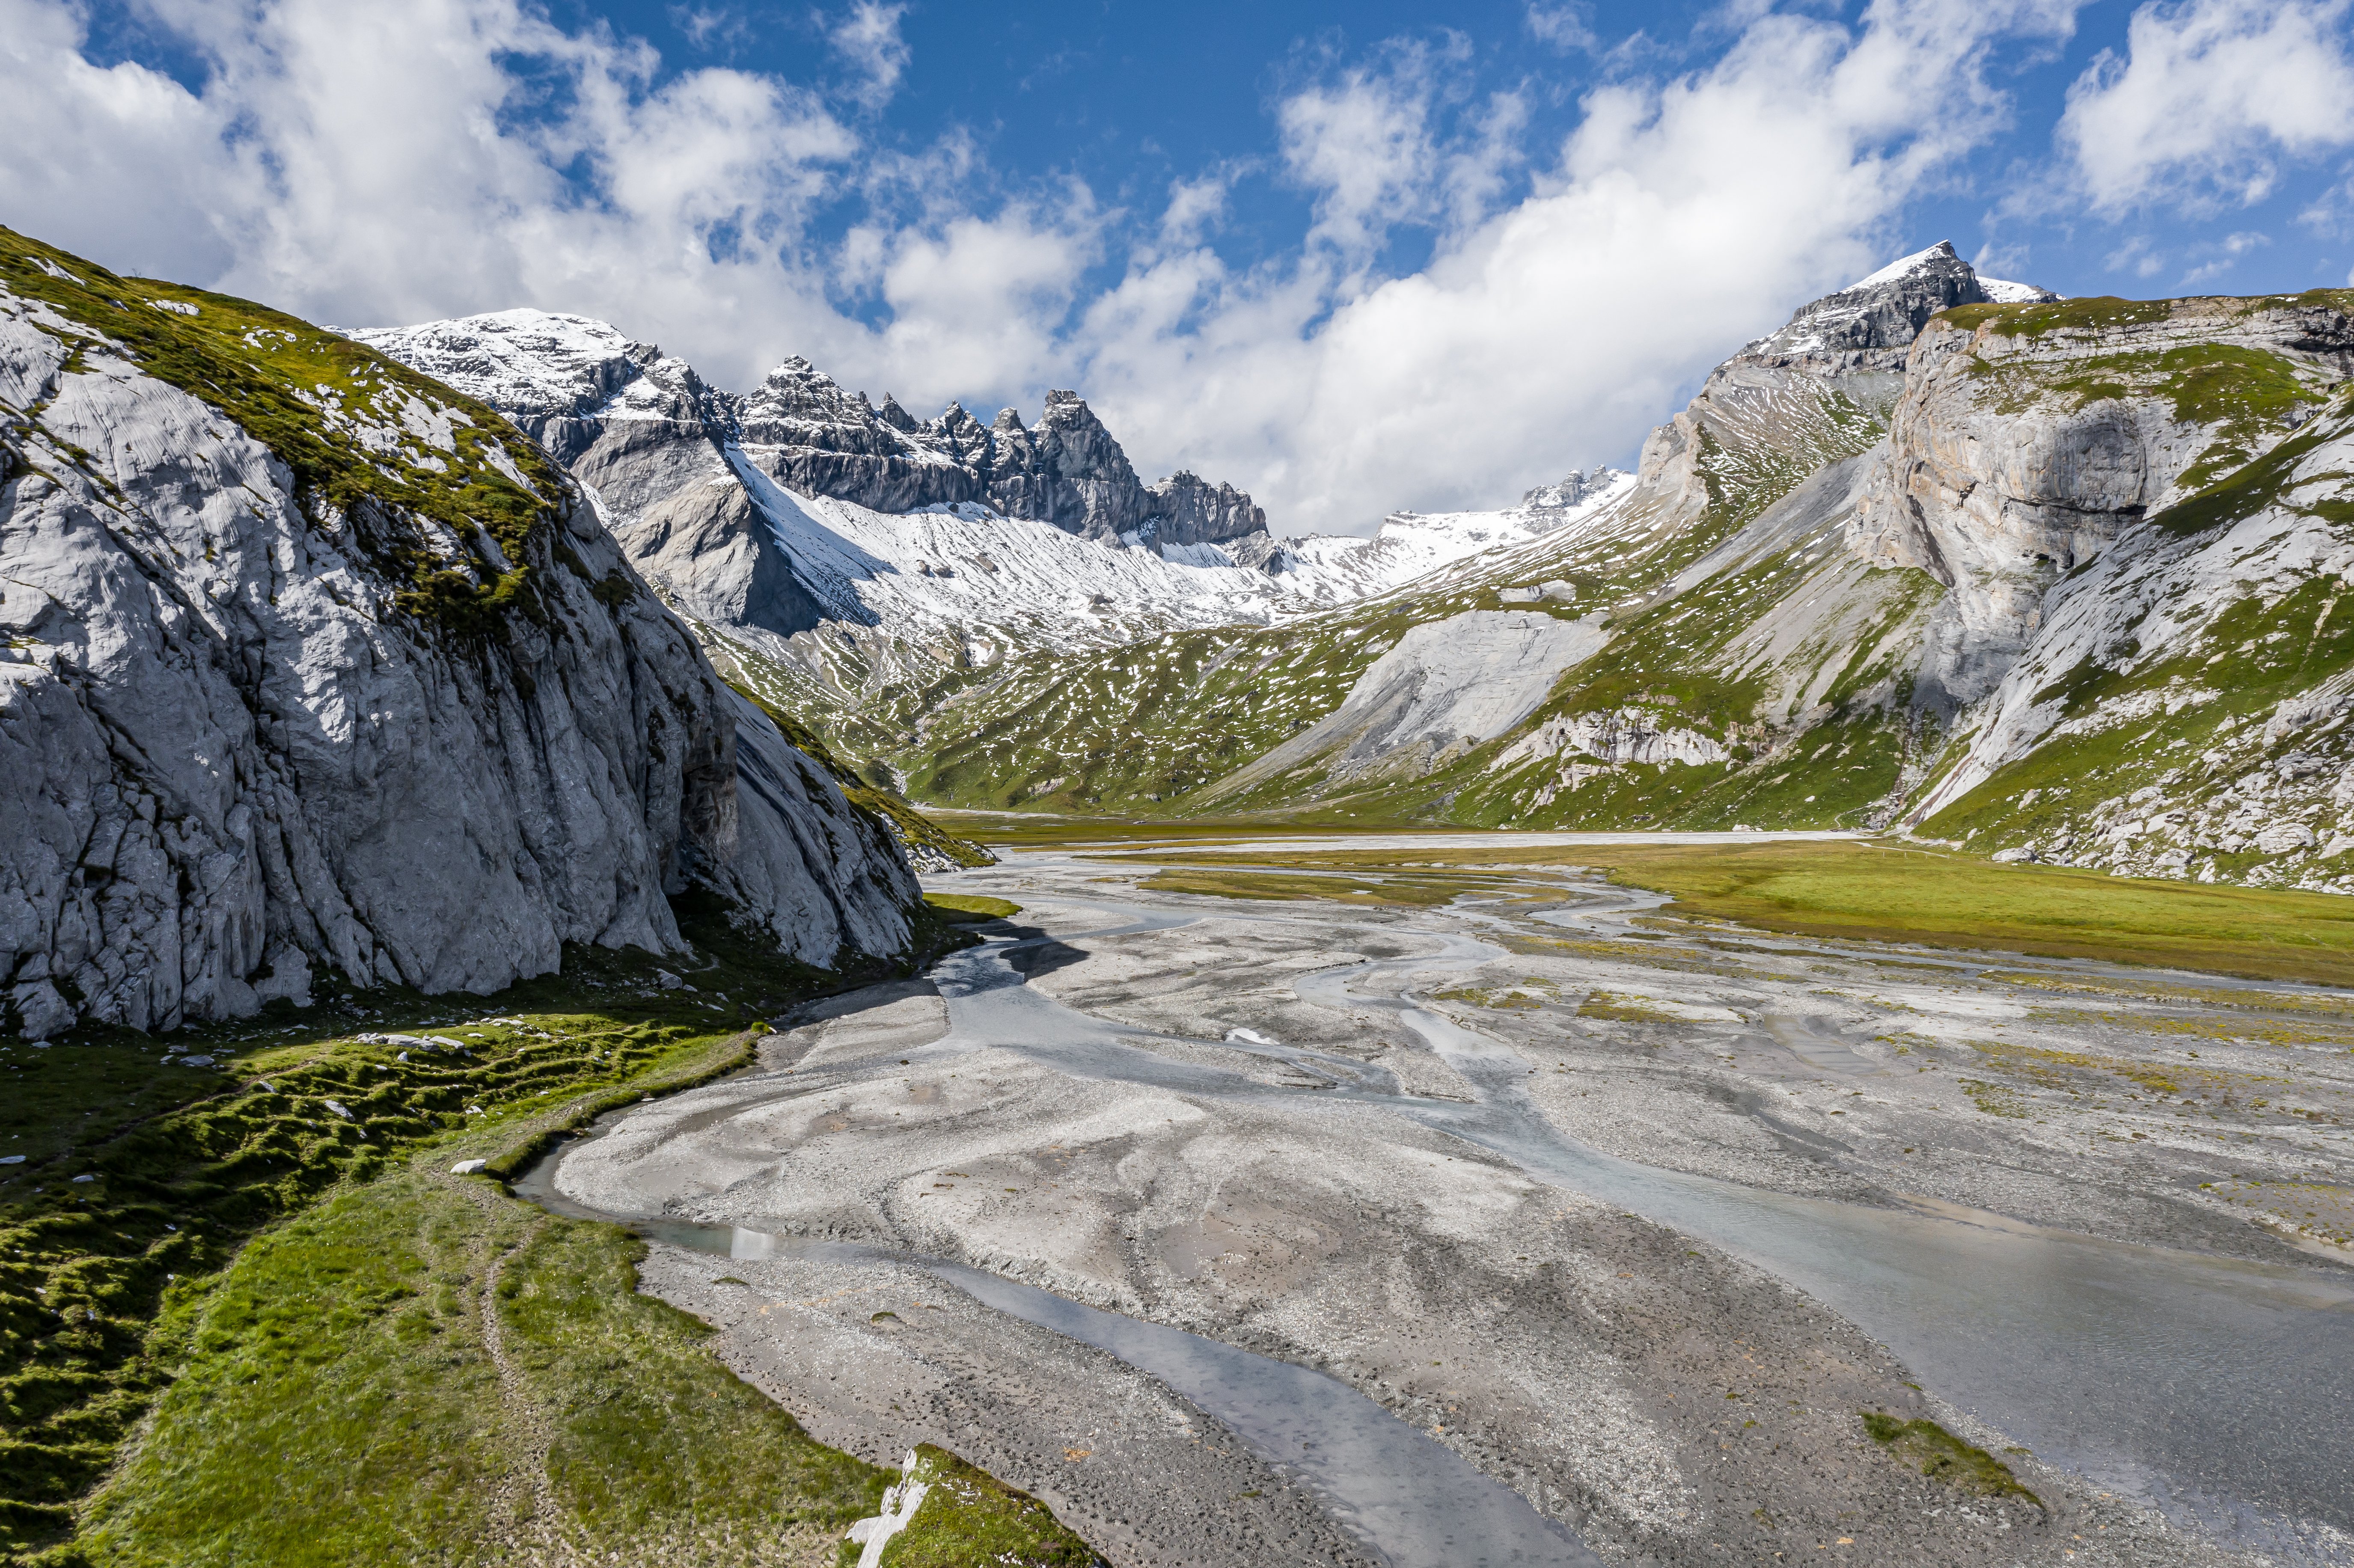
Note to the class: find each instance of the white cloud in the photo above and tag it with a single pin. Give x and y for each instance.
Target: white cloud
(2208, 98)
(1365, 144)
(868, 39)
(1566, 28)
(374, 164)
(1683, 218)
(2137, 255)
(2223, 256)
(377, 165)
(1194, 208)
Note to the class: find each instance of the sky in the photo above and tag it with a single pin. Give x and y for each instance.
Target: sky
(1352, 258)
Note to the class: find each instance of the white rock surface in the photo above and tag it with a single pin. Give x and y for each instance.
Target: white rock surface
(228, 760)
(1447, 686)
(2001, 475)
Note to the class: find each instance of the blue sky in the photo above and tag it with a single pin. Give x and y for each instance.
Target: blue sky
(1352, 257)
(1130, 98)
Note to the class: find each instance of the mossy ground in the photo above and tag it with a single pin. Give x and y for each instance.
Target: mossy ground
(1891, 892)
(331, 1367)
(1411, 890)
(340, 1401)
(966, 907)
(1945, 1456)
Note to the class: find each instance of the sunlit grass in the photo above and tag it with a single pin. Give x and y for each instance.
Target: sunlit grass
(1883, 892)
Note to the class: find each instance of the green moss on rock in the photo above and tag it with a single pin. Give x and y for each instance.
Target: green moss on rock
(337, 414)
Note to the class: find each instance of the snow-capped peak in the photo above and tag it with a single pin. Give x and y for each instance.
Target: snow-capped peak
(1906, 266)
(525, 363)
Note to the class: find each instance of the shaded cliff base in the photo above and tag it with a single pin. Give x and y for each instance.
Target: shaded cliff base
(237, 1275)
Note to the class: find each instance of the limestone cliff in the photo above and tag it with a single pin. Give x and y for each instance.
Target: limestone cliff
(311, 664)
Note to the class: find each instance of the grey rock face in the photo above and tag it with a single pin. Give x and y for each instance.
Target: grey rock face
(806, 433)
(1447, 686)
(1574, 490)
(1191, 512)
(1870, 323)
(1067, 471)
(2001, 475)
(229, 757)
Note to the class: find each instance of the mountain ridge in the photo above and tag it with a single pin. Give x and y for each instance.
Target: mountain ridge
(1812, 605)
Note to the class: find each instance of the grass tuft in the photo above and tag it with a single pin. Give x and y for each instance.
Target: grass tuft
(1946, 1457)
(966, 907)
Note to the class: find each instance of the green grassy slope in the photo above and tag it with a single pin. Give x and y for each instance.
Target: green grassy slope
(259, 1332)
(1863, 891)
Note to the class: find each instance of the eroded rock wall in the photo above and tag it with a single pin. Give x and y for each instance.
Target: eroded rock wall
(234, 749)
(2023, 445)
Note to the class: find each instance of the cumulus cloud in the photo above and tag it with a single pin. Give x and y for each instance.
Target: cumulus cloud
(1679, 220)
(2207, 98)
(380, 165)
(374, 166)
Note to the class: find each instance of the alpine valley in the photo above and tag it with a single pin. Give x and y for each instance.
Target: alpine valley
(2056, 579)
(506, 1069)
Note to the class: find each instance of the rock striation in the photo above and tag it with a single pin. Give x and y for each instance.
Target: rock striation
(311, 664)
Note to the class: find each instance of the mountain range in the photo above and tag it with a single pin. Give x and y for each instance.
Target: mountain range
(413, 654)
(2056, 579)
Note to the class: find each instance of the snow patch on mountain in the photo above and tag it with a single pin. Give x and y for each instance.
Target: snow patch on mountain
(963, 569)
(2002, 292)
(1410, 546)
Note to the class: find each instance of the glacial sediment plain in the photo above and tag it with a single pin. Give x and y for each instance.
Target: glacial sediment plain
(1639, 1216)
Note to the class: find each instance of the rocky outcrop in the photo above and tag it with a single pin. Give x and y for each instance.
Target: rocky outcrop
(1869, 324)
(1813, 393)
(310, 664)
(1620, 736)
(2026, 439)
(1189, 509)
(1572, 491)
(1067, 471)
(808, 435)
(1446, 687)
